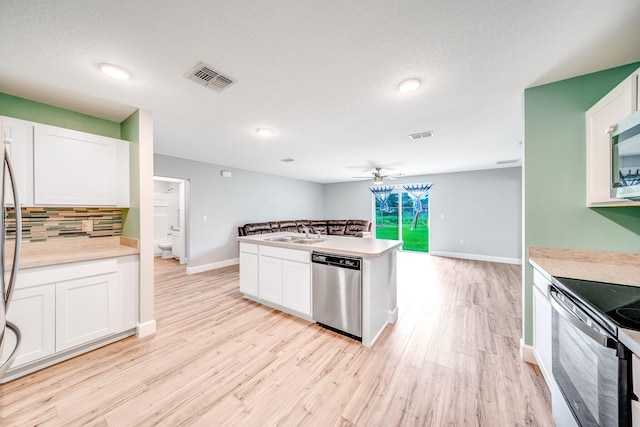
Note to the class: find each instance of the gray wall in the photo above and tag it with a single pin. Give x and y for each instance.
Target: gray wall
(484, 208)
(230, 202)
(481, 207)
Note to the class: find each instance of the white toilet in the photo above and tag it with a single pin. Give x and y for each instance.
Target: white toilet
(166, 250)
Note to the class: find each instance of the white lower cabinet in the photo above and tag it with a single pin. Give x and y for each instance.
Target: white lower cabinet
(542, 333)
(33, 311)
(61, 307)
(249, 269)
(270, 279)
(85, 310)
(296, 284)
(277, 275)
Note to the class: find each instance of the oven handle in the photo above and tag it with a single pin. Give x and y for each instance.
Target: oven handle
(604, 340)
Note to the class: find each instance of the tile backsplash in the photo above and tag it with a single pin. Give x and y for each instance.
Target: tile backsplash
(47, 223)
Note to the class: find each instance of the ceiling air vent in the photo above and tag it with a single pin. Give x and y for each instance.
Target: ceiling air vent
(421, 135)
(207, 76)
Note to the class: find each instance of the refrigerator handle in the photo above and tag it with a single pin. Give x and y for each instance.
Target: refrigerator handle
(18, 245)
(7, 363)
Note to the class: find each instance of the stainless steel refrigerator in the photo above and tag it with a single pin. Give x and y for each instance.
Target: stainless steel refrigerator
(9, 334)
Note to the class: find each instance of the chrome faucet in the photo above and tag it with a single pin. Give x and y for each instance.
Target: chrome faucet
(306, 231)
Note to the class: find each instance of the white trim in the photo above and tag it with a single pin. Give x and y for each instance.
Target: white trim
(527, 353)
(145, 329)
(393, 315)
(212, 266)
(489, 258)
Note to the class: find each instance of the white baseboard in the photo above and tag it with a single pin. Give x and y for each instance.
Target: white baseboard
(488, 258)
(527, 354)
(145, 329)
(393, 315)
(212, 266)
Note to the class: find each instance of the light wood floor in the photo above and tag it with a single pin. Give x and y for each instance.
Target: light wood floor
(218, 359)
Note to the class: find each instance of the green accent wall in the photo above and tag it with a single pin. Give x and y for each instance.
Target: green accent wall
(555, 212)
(129, 129)
(20, 108)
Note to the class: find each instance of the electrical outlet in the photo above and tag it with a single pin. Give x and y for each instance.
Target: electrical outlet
(87, 225)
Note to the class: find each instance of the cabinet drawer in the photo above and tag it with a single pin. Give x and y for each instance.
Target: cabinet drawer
(61, 272)
(541, 282)
(249, 248)
(284, 253)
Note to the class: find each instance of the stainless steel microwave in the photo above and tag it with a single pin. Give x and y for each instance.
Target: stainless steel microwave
(625, 158)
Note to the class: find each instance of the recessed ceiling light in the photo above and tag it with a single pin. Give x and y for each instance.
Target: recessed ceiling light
(264, 131)
(115, 72)
(409, 85)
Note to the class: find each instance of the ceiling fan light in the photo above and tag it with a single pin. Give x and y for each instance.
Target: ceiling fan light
(377, 180)
(409, 85)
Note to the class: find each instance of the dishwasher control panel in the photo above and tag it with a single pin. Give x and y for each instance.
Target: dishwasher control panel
(344, 261)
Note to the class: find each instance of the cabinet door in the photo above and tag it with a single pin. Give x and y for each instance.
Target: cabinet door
(270, 279)
(614, 106)
(296, 284)
(32, 310)
(542, 333)
(128, 286)
(75, 168)
(85, 309)
(249, 273)
(18, 141)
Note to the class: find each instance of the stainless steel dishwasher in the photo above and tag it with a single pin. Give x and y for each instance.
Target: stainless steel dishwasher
(337, 293)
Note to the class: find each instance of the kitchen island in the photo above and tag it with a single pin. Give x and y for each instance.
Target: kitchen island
(276, 271)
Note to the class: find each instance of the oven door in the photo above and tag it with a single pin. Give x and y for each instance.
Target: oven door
(590, 366)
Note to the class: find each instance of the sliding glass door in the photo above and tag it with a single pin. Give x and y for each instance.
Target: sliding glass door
(404, 216)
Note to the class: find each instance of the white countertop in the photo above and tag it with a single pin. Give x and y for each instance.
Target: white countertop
(61, 251)
(357, 246)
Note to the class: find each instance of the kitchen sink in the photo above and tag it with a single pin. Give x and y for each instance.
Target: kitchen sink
(307, 241)
(281, 239)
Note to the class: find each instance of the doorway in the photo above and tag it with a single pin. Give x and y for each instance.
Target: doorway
(402, 213)
(170, 218)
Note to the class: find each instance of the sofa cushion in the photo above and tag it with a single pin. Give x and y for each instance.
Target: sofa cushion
(301, 223)
(257, 228)
(318, 227)
(275, 226)
(355, 226)
(289, 226)
(336, 226)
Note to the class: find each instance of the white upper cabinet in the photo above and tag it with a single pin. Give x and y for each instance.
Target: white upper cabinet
(18, 141)
(617, 104)
(74, 168)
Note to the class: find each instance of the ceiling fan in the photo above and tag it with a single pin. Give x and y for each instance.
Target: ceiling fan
(378, 177)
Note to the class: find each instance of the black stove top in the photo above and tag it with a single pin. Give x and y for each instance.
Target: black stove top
(618, 303)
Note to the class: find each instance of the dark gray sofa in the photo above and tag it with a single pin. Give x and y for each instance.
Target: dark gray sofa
(331, 227)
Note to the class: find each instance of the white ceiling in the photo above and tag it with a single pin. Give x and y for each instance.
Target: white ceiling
(322, 74)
